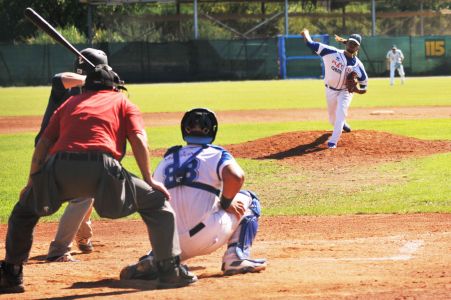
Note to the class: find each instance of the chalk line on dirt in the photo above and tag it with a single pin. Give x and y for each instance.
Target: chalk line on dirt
(405, 253)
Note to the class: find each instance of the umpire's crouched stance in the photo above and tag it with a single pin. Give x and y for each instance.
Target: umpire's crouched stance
(84, 140)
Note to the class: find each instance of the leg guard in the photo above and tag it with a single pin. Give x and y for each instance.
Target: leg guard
(237, 259)
(255, 203)
(248, 227)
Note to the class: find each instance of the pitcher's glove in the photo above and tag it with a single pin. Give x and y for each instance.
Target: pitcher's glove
(351, 82)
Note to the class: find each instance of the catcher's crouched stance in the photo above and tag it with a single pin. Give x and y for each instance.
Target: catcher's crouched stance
(195, 175)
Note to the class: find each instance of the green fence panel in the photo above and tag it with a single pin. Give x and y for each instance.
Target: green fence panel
(428, 55)
(235, 59)
(203, 60)
(32, 64)
(145, 62)
(431, 55)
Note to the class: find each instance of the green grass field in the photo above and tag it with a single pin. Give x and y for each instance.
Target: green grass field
(413, 185)
(242, 95)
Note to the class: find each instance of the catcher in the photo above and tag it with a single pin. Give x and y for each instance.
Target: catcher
(195, 175)
(344, 76)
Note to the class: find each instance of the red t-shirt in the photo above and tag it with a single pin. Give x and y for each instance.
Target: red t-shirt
(94, 121)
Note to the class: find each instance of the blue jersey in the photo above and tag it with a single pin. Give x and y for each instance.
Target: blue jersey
(337, 66)
(192, 175)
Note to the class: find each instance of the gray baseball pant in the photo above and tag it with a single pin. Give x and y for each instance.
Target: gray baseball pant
(116, 193)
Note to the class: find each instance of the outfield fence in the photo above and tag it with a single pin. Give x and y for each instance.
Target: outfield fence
(205, 60)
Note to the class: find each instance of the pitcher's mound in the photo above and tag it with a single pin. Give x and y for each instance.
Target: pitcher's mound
(309, 148)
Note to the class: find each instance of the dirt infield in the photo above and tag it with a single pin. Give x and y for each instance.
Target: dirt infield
(333, 257)
(32, 123)
(341, 257)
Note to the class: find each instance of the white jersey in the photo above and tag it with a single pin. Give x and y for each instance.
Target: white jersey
(192, 175)
(337, 66)
(396, 57)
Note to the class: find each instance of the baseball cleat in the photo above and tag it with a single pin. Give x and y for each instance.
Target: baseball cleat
(85, 247)
(144, 269)
(11, 278)
(62, 258)
(331, 145)
(243, 266)
(172, 274)
(346, 128)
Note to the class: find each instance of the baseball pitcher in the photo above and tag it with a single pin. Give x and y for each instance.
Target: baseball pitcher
(204, 181)
(343, 70)
(395, 57)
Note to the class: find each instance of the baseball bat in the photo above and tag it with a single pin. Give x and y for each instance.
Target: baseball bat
(41, 23)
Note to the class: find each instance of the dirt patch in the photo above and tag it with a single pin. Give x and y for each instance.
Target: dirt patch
(33, 123)
(334, 257)
(309, 148)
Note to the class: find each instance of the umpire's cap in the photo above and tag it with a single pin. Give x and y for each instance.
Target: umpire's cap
(394, 47)
(356, 38)
(101, 78)
(96, 56)
(199, 126)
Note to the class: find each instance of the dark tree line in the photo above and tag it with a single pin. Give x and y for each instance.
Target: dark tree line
(63, 13)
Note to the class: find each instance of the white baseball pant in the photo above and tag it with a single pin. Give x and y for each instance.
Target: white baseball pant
(400, 68)
(219, 230)
(338, 103)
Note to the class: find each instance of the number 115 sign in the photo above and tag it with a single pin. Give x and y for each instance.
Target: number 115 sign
(434, 48)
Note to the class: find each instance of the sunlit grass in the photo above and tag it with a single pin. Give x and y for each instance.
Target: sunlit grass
(245, 95)
(408, 186)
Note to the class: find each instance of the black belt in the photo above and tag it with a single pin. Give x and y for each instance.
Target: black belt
(333, 89)
(80, 156)
(196, 229)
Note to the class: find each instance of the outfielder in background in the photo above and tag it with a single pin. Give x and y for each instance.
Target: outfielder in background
(338, 65)
(394, 62)
(204, 181)
(65, 85)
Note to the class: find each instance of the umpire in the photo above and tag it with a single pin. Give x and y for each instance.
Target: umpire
(72, 224)
(84, 140)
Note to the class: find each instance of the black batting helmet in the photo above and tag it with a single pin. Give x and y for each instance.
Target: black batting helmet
(101, 78)
(95, 56)
(199, 126)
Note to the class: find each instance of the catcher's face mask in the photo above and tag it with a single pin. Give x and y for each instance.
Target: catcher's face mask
(199, 126)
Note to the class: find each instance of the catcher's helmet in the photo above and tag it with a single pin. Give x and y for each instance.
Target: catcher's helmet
(101, 78)
(95, 56)
(199, 126)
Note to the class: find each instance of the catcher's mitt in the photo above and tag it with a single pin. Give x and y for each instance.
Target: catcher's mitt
(351, 82)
